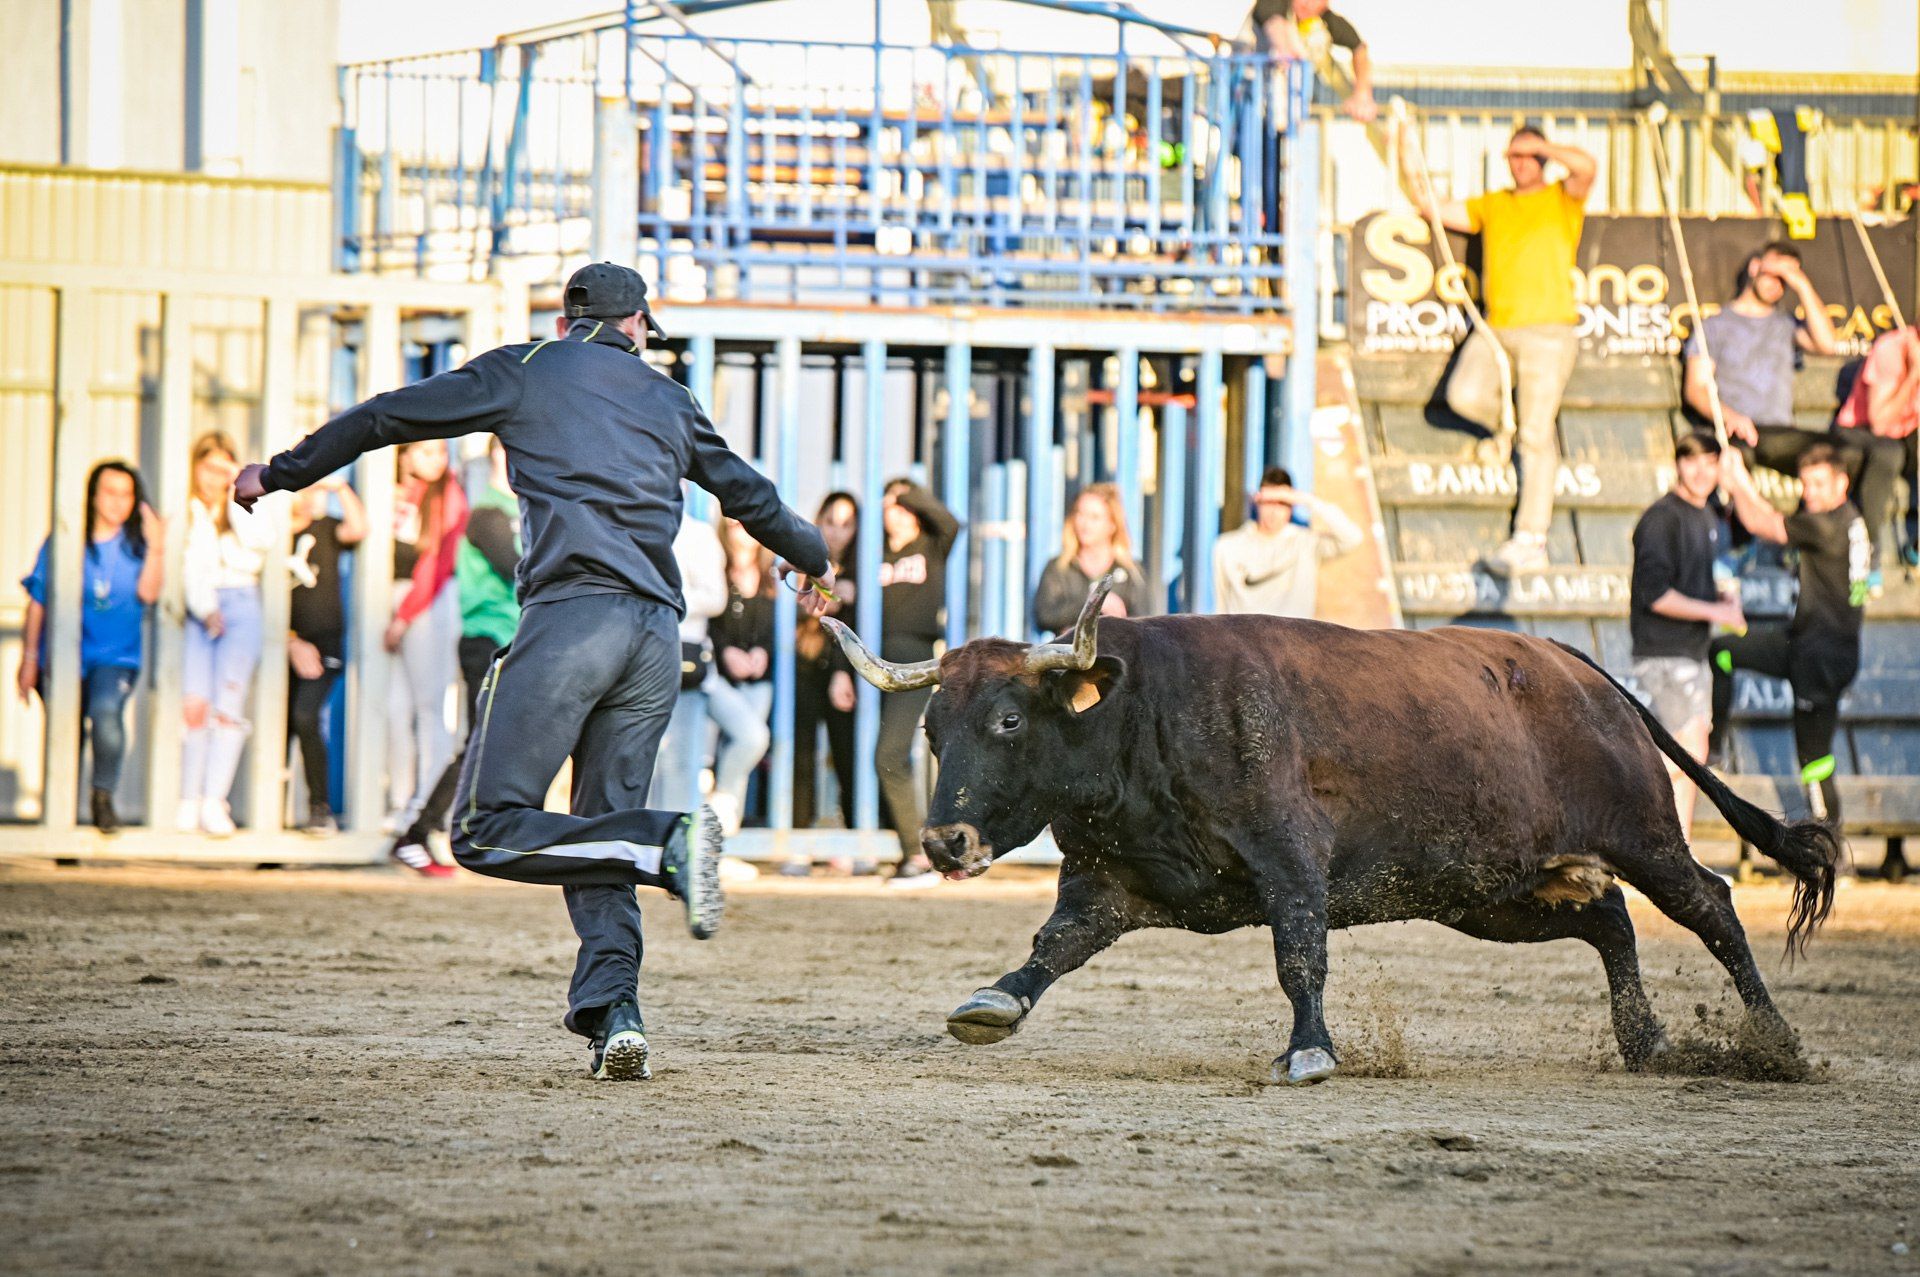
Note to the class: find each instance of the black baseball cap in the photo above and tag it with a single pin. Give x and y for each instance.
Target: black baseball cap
(604, 290)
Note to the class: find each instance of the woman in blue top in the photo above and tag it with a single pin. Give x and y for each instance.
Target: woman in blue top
(120, 579)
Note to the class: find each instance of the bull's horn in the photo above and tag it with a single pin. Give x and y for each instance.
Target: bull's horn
(1079, 654)
(885, 675)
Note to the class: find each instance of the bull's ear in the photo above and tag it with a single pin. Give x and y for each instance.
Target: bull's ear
(1080, 691)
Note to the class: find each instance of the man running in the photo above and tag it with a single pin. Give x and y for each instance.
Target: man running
(597, 444)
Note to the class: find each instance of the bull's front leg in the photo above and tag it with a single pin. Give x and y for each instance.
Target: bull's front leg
(1293, 889)
(1090, 913)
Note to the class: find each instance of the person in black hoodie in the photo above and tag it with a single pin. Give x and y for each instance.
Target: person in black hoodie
(913, 578)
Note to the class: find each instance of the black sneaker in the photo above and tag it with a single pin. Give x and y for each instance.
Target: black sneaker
(320, 821)
(105, 818)
(690, 862)
(620, 1047)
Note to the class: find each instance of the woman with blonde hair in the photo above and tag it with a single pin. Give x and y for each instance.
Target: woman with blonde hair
(225, 550)
(1094, 543)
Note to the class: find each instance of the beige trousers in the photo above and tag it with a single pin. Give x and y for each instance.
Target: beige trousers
(1542, 357)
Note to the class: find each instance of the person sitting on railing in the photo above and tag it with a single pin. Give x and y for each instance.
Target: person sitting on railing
(1271, 564)
(1308, 30)
(1094, 543)
(1882, 413)
(1528, 237)
(122, 558)
(1818, 653)
(1752, 349)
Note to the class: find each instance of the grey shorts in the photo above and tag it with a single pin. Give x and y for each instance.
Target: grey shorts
(1678, 689)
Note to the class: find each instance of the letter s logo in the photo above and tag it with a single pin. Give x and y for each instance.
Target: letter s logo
(1398, 242)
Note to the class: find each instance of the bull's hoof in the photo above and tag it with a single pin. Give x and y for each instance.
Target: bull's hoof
(1303, 1067)
(990, 1015)
(1645, 1053)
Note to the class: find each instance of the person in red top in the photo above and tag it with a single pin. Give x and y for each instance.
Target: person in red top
(1885, 407)
(430, 516)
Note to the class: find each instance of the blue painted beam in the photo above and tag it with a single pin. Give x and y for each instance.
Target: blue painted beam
(786, 477)
(1042, 475)
(866, 603)
(1253, 450)
(1174, 448)
(1303, 284)
(1126, 419)
(956, 484)
(1208, 458)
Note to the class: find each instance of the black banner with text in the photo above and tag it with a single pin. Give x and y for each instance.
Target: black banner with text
(1626, 279)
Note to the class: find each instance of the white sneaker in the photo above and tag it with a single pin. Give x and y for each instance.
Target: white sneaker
(1521, 552)
(186, 817)
(727, 808)
(216, 818)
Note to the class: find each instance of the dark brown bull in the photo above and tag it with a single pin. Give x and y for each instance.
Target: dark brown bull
(1214, 772)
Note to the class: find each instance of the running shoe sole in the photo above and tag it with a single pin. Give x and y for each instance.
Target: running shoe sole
(624, 1060)
(705, 899)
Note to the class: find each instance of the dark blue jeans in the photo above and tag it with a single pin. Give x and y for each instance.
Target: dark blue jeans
(103, 706)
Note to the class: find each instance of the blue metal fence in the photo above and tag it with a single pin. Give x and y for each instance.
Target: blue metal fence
(791, 170)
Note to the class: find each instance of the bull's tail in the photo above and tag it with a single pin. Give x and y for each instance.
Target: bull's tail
(1807, 849)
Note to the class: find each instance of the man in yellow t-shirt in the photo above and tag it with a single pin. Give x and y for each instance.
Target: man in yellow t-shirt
(1527, 240)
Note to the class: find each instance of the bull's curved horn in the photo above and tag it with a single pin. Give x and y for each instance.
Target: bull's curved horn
(885, 675)
(1077, 655)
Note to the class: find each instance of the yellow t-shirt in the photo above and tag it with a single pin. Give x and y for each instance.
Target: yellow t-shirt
(1527, 245)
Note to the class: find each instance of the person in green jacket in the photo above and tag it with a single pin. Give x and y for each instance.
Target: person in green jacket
(484, 572)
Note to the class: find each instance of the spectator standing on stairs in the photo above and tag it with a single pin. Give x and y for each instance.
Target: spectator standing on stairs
(1674, 605)
(1818, 653)
(1528, 237)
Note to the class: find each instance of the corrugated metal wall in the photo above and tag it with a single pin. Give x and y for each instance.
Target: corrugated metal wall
(177, 223)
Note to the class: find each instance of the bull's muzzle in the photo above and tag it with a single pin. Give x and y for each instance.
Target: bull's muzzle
(956, 850)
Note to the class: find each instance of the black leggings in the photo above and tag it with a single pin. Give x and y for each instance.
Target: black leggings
(1819, 676)
(811, 708)
(306, 703)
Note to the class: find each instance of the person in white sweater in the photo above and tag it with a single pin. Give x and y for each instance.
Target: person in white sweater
(225, 550)
(1272, 564)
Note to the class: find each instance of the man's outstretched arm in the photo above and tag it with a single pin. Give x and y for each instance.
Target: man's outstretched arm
(749, 496)
(479, 396)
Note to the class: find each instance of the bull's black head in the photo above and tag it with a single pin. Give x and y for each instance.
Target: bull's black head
(1021, 731)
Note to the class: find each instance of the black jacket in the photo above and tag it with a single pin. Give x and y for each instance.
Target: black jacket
(597, 443)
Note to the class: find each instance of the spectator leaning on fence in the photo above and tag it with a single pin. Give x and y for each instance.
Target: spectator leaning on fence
(1819, 652)
(1528, 239)
(1093, 543)
(740, 689)
(225, 551)
(484, 571)
(121, 569)
(703, 583)
(316, 651)
(1272, 564)
(1882, 414)
(1308, 30)
(430, 516)
(1674, 604)
(913, 579)
(818, 663)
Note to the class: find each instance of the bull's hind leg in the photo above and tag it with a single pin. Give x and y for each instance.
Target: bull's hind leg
(1604, 924)
(1700, 900)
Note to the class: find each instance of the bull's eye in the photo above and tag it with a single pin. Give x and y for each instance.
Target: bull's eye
(1010, 722)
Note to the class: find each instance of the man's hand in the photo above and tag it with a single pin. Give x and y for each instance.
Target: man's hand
(28, 678)
(1362, 107)
(396, 630)
(250, 486)
(1740, 426)
(1528, 144)
(305, 659)
(816, 592)
(1733, 469)
(840, 692)
(1728, 616)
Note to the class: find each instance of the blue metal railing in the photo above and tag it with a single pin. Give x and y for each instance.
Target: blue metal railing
(796, 170)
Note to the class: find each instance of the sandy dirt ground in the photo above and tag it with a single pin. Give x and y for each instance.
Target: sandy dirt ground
(327, 1072)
